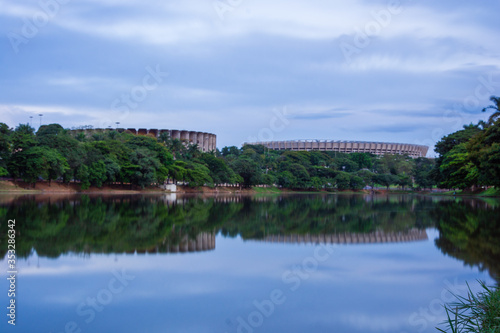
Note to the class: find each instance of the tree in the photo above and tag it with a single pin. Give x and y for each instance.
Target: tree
(57, 164)
(496, 109)
(301, 175)
(286, 179)
(364, 160)
(198, 175)
(423, 172)
(23, 137)
(316, 183)
(385, 179)
(448, 142)
(219, 170)
(42, 162)
(177, 148)
(82, 173)
(484, 153)
(457, 169)
(404, 180)
(112, 168)
(147, 166)
(5, 139)
(356, 182)
(445, 146)
(97, 173)
(366, 176)
(49, 130)
(346, 164)
(248, 170)
(55, 137)
(178, 171)
(342, 180)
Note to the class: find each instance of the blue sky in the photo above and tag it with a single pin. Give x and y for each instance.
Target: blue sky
(397, 71)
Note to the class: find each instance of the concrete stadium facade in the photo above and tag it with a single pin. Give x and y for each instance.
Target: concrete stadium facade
(206, 142)
(377, 148)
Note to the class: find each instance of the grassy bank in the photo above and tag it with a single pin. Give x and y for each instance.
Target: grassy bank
(10, 187)
(56, 187)
(491, 192)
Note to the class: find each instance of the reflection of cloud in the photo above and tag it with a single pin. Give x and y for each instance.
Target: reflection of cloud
(373, 323)
(363, 288)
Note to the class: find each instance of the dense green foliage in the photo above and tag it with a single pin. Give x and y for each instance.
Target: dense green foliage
(96, 158)
(314, 170)
(470, 157)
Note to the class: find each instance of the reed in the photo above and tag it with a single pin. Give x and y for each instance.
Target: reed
(474, 313)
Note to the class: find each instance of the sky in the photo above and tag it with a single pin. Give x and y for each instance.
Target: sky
(408, 71)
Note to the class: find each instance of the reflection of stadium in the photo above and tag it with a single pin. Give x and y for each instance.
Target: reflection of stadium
(351, 238)
(205, 241)
(377, 148)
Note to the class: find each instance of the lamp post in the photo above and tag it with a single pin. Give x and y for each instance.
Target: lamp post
(117, 123)
(31, 121)
(41, 115)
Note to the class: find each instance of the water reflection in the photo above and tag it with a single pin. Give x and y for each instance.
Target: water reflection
(351, 238)
(55, 225)
(469, 230)
(386, 278)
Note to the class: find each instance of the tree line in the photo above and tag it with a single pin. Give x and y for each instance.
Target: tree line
(467, 158)
(470, 157)
(94, 158)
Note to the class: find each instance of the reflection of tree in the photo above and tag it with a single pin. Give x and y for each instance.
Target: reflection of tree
(117, 224)
(470, 231)
(316, 214)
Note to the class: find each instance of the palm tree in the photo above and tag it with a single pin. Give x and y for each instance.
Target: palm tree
(495, 107)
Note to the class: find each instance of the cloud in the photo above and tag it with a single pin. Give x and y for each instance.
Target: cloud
(262, 55)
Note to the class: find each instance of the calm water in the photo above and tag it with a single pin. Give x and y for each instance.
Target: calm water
(298, 263)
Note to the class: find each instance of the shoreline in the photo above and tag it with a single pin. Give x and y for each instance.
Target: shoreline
(9, 187)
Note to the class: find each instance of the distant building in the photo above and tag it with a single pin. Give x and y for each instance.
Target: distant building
(206, 142)
(377, 148)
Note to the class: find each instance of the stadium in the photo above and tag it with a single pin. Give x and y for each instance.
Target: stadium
(377, 148)
(206, 142)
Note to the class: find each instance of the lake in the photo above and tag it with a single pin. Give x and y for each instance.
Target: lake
(281, 263)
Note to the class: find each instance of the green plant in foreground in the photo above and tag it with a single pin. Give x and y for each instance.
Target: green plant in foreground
(475, 313)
